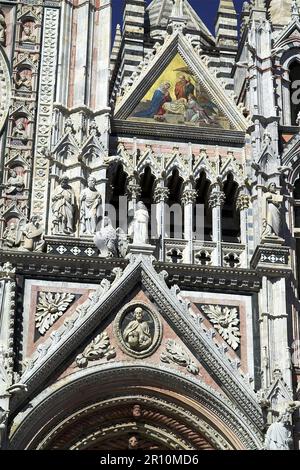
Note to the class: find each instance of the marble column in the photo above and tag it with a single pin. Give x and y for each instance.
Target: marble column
(161, 195)
(216, 201)
(242, 204)
(133, 193)
(189, 196)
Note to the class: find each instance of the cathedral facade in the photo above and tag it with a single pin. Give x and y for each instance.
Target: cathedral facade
(149, 226)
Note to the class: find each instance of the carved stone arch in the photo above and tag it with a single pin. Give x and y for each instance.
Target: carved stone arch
(289, 56)
(172, 395)
(5, 88)
(176, 164)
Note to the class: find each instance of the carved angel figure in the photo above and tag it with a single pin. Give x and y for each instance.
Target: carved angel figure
(111, 242)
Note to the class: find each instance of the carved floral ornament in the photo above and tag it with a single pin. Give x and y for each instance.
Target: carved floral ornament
(226, 321)
(50, 307)
(98, 349)
(138, 329)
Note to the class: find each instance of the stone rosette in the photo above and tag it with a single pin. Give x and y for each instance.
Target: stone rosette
(126, 317)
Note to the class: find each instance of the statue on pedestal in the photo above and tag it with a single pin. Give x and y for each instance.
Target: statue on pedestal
(139, 227)
(272, 211)
(32, 234)
(90, 208)
(63, 208)
(279, 435)
(111, 242)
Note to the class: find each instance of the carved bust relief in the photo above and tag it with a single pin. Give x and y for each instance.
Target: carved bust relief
(138, 330)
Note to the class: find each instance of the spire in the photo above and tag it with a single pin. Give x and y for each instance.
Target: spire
(177, 11)
(226, 25)
(133, 36)
(295, 10)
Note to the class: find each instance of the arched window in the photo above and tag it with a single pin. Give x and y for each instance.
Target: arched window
(297, 204)
(147, 186)
(116, 188)
(202, 188)
(295, 91)
(231, 229)
(176, 220)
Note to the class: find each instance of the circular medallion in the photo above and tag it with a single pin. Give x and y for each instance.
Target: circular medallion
(138, 329)
(5, 90)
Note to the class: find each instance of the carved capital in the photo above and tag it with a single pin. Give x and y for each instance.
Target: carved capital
(134, 191)
(216, 199)
(161, 195)
(189, 196)
(243, 202)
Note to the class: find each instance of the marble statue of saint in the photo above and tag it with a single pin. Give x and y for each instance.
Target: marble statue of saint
(137, 334)
(19, 131)
(28, 33)
(24, 79)
(139, 226)
(63, 208)
(2, 29)
(279, 436)
(90, 208)
(272, 212)
(10, 235)
(15, 183)
(32, 233)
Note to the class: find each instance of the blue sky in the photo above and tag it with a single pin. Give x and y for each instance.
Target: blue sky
(206, 9)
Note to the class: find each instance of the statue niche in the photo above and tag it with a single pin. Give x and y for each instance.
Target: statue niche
(28, 33)
(2, 29)
(23, 80)
(15, 183)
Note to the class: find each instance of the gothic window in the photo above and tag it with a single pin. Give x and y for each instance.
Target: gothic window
(202, 188)
(297, 204)
(176, 219)
(147, 187)
(294, 91)
(116, 189)
(230, 215)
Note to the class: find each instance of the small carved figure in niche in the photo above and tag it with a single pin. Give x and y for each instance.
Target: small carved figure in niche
(273, 202)
(19, 130)
(24, 79)
(2, 29)
(15, 183)
(90, 208)
(133, 442)
(63, 208)
(33, 235)
(111, 242)
(28, 32)
(139, 227)
(10, 235)
(137, 334)
(136, 411)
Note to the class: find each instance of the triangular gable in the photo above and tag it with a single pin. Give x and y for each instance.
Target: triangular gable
(290, 33)
(108, 297)
(214, 106)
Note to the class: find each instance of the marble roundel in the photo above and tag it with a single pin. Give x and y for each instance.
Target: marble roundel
(138, 329)
(5, 89)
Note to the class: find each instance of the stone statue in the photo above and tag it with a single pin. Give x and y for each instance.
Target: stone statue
(133, 443)
(63, 208)
(2, 29)
(90, 208)
(137, 334)
(15, 183)
(28, 33)
(272, 212)
(111, 242)
(279, 435)
(10, 235)
(24, 79)
(19, 131)
(139, 227)
(33, 235)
